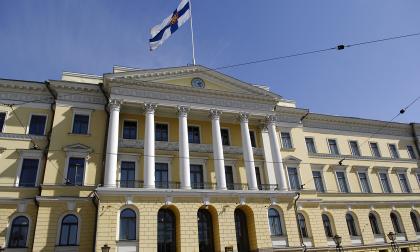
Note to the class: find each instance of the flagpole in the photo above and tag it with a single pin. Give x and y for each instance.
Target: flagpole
(192, 34)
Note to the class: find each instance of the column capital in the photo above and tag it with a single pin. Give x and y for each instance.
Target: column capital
(150, 107)
(215, 114)
(244, 117)
(270, 119)
(183, 110)
(114, 104)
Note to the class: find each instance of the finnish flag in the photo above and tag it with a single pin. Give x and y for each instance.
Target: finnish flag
(163, 31)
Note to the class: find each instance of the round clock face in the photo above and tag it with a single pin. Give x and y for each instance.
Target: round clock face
(197, 83)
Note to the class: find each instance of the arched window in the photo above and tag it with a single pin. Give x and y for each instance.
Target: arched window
(276, 228)
(302, 225)
(374, 224)
(395, 223)
(351, 225)
(19, 232)
(327, 225)
(127, 224)
(68, 233)
(415, 221)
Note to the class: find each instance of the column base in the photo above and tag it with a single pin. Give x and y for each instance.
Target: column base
(224, 188)
(149, 187)
(185, 187)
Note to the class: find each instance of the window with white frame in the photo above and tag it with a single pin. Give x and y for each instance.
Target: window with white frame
(129, 129)
(19, 232)
(354, 147)
(69, 230)
(293, 178)
(332, 144)
(194, 134)
(402, 178)
(128, 223)
(274, 219)
(253, 138)
(418, 178)
(37, 125)
(310, 144)
(342, 181)
(411, 152)
(128, 174)
(396, 223)
(319, 183)
(302, 225)
(327, 226)
(415, 221)
(2, 120)
(161, 132)
(75, 171)
(386, 186)
(286, 140)
(374, 224)
(393, 151)
(364, 182)
(28, 172)
(81, 123)
(225, 136)
(375, 149)
(351, 225)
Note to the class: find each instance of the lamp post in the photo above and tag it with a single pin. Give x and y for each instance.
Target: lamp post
(394, 245)
(337, 240)
(105, 248)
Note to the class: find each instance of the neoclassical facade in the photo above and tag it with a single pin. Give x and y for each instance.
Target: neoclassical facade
(189, 159)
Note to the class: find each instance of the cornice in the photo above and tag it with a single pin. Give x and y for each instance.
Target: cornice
(21, 136)
(363, 158)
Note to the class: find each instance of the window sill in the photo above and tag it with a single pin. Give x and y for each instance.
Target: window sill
(79, 134)
(287, 149)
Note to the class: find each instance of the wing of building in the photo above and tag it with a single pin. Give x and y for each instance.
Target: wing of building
(189, 159)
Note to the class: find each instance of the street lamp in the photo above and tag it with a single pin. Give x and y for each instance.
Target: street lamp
(105, 248)
(337, 240)
(394, 245)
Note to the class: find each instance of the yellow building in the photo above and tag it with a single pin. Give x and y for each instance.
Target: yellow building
(189, 159)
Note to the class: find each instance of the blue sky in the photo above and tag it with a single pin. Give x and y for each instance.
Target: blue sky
(40, 39)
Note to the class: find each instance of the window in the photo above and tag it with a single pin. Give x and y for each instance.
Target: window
(293, 178)
(351, 225)
(80, 124)
(229, 178)
(332, 143)
(374, 224)
(274, 220)
(193, 134)
(68, 232)
(19, 232)
(386, 187)
(418, 178)
(286, 140)
(161, 132)
(225, 136)
(310, 144)
(405, 187)
(196, 173)
(75, 171)
(37, 125)
(327, 225)
(375, 150)
(354, 147)
(302, 225)
(395, 223)
(253, 139)
(28, 173)
(2, 120)
(415, 221)
(258, 176)
(342, 181)
(128, 225)
(319, 184)
(393, 151)
(128, 171)
(130, 130)
(364, 182)
(161, 175)
(410, 149)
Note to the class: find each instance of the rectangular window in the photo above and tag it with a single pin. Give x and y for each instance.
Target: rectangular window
(229, 178)
(410, 149)
(310, 144)
(196, 173)
(253, 140)
(355, 151)
(128, 171)
(293, 178)
(193, 134)
(37, 125)
(319, 184)
(375, 150)
(2, 120)
(342, 182)
(161, 132)
(80, 124)
(28, 173)
(225, 136)
(332, 144)
(364, 182)
(258, 175)
(286, 140)
(405, 187)
(386, 187)
(75, 171)
(130, 130)
(418, 178)
(161, 175)
(393, 151)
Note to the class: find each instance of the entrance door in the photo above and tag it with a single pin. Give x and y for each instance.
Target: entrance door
(166, 231)
(205, 231)
(241, 231)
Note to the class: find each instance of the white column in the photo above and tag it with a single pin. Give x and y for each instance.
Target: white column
(110, 176)
(248, 152)
(219, 161)
(275, 150)
(149, 146)
(184, 148)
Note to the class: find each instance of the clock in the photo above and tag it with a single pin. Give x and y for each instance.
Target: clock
(197, 83)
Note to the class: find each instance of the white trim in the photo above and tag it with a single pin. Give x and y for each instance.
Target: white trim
(167, 124)
(60, 220)
(73, 154)
(345, 177)
(81, 111)
(29, 154)
(396, 149)
(280, 240)
(9, 229)
(165, 160)
(287, 166)
(386, 172)
(137, 212)
(203, 162)
(321, 171)
(262, 168)
(290, 136)
(235, 173)
(313, 140)
(336, 144)
(357, 146)
(229, 135)
(128, 158)
(371, 150)
(30, 119)
(401, 172)
(199, 131)
(137, 128)
(82, 105)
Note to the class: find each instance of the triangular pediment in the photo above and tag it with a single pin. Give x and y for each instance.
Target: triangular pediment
(292, 159)
(77, 148)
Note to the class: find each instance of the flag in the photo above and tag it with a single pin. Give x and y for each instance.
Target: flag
(163, 31)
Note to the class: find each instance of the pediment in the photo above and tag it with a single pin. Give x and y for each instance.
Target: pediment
(292, 159)
(77, 148)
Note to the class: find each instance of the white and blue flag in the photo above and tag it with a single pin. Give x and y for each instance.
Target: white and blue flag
(163, 31)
